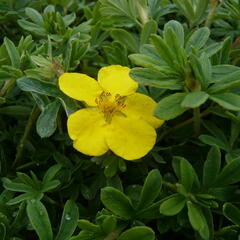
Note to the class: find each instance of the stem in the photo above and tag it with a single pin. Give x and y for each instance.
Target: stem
(7, 85)
(50, 200)
(32, 118)
(26, 165)
(196, 120)
(170, 185)
(214, 5)
(180, 125)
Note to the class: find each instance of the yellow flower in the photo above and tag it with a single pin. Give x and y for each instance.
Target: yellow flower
(116, 117)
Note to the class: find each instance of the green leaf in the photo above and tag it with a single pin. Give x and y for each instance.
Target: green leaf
(136, 233)
(200, 10)
(229, 174)
(151, 189)
(173, 205)
(126, 39)
(202, 69)
(211, 49)
(46, 123)
(12, 52)
(232, 213)
(226, 82)
(197, 220)
(25, 196)
(187, 173)
(211, 166)
(177, 28)
(109, 224)
(117, 202)
(164, 50)
(198, 39)
(149, 28)
(37, 86)
(88, 226)
(154, 78)
(39, 219)
(49, 89)
(180, 58)
(3, 231)
(16, 187)
(170, 106)
(147, 62)
(186, 8)
(222, 70)
(151, 212)
(229, 101)
(194, 99)
(51, 172)
(35, 16)
(32, 27)
(214, 141)
(69, 221)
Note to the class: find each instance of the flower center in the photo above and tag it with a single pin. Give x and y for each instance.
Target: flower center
(109, 105)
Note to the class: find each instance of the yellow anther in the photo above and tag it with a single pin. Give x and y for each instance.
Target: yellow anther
(110, 106)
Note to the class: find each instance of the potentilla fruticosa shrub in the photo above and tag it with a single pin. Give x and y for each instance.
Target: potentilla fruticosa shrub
(120, 119)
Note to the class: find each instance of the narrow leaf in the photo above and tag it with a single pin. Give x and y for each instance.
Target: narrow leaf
(69, 221)
(39, 219)
(151, 189)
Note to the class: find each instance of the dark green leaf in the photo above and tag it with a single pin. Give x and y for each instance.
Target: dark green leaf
(35, 16)
(12, 52)
(229, 174)
(151, 189)
(232, 213)
(177, 28)
(170, 106)
(197, 39)
(117, 202)
(173, 205)
(194, 99)
(136, 233)
(211, 166)
(197, 220)
(149, 28)
(46, 123)
(69, 221)
(126, 39)
(154, 78)
(37, 86)
(229, 101)
(39, 219)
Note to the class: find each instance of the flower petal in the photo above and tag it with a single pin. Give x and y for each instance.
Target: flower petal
(130, 138)
(80, 86)
(87, 128)
(116, 80)
(140, 105)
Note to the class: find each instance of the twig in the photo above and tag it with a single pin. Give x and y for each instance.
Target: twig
(32, 118)
(182, 124)
(214, 5)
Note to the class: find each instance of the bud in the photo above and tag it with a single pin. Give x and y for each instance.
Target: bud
(49, 69)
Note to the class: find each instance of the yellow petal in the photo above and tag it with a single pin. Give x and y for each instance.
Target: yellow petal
(80, 86)
(140, 105)
(130, 138)
(87, 128)
(116, 80)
